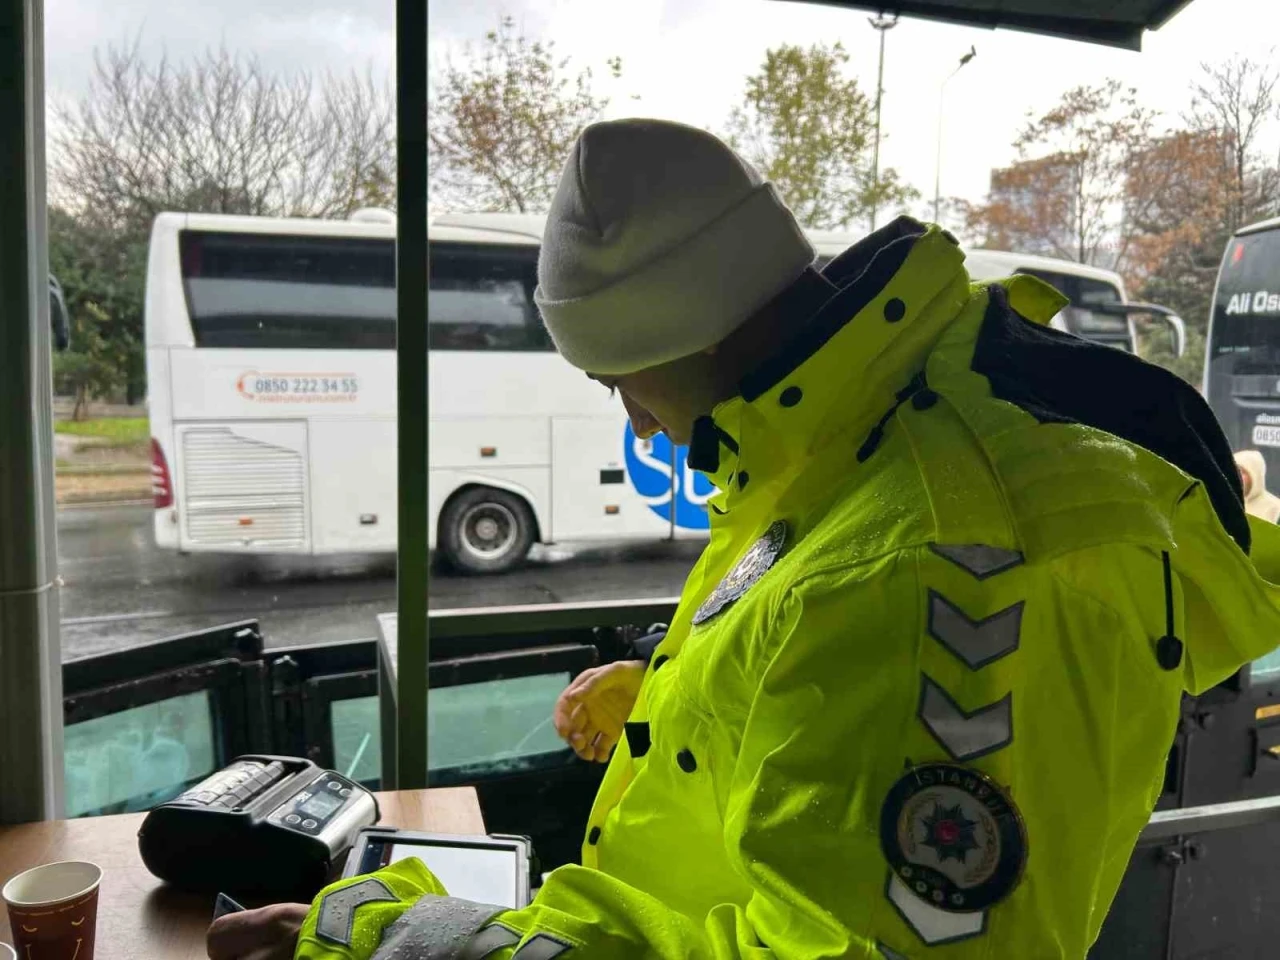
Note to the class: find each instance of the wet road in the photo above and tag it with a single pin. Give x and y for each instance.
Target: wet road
(119, 589)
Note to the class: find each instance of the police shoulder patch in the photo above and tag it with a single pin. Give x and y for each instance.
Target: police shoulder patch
(755, 563)
(953, 837)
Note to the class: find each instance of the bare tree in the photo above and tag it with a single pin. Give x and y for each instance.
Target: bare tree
(502, 123)
(1193, 188)
(220, 134)
(1235, 99)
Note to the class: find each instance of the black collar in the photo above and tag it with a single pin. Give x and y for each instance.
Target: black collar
(861, 272)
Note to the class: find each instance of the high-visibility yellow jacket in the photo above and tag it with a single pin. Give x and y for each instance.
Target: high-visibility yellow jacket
(919, 692)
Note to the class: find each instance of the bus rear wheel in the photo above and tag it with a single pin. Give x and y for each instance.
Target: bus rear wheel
(483, 530)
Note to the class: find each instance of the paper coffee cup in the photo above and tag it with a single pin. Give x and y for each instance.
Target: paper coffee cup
(53, 910)
(6, 952)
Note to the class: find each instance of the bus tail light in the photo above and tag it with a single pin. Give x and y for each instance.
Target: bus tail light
(161, 482)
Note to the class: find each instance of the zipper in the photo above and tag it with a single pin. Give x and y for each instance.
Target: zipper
(918, 387)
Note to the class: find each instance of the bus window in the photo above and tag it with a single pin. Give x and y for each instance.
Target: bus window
(1242, 365)
(272, 291)
(481, 298)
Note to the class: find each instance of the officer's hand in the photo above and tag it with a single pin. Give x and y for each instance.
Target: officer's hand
(592, 710)
(270, 933)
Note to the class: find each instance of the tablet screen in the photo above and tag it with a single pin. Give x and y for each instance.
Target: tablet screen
(485, 875)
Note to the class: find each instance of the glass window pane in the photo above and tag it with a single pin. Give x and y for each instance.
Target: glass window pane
(311, 293)
(481, 298)
(499, 724)
(1266, 669)
(357, 738)
(136, 758)
(1097, 291)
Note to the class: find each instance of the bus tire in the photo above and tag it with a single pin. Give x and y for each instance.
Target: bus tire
(483, 530)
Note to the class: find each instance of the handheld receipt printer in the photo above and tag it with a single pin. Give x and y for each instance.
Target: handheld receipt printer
(276, 827)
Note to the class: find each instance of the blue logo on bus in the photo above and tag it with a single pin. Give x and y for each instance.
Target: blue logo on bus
(662, 481)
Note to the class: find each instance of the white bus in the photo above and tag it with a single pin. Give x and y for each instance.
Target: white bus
(1242, 361)
(272, 386)
(272, 398)
(1099, 310)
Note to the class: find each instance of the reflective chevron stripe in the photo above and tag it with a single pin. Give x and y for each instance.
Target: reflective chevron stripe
(489, 941)
(495, 937)
(964, 735)
(931, 925)
(976, 642)
(541, 947)
(445, 928)
(337, 916)
(977, 558)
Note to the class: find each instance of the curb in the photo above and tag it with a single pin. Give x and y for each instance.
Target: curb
(126, 498)
(103, 470)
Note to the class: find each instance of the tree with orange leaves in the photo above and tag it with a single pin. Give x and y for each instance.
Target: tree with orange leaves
(1065, 195)
(1189, 191)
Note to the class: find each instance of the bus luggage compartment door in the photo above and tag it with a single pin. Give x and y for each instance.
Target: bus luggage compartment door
(244, 487)
(591, 495)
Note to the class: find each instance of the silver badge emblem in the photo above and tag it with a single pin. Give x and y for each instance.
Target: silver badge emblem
(755, 563)
(953, 836)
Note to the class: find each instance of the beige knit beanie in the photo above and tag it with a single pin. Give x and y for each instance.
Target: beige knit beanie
(660, 241)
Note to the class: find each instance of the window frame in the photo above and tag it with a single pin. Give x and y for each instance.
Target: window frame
(313, 678)
(413, 404)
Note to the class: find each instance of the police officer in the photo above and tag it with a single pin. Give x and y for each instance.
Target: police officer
(917, 697)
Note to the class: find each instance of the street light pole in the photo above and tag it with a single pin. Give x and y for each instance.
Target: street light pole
(937, 170)
(883, 24)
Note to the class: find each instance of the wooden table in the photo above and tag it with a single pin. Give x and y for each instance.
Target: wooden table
(141, 919)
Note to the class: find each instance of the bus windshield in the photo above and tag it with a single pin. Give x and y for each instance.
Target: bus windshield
(1078, 317)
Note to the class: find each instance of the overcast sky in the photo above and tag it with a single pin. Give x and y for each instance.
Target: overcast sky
(687, 59)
